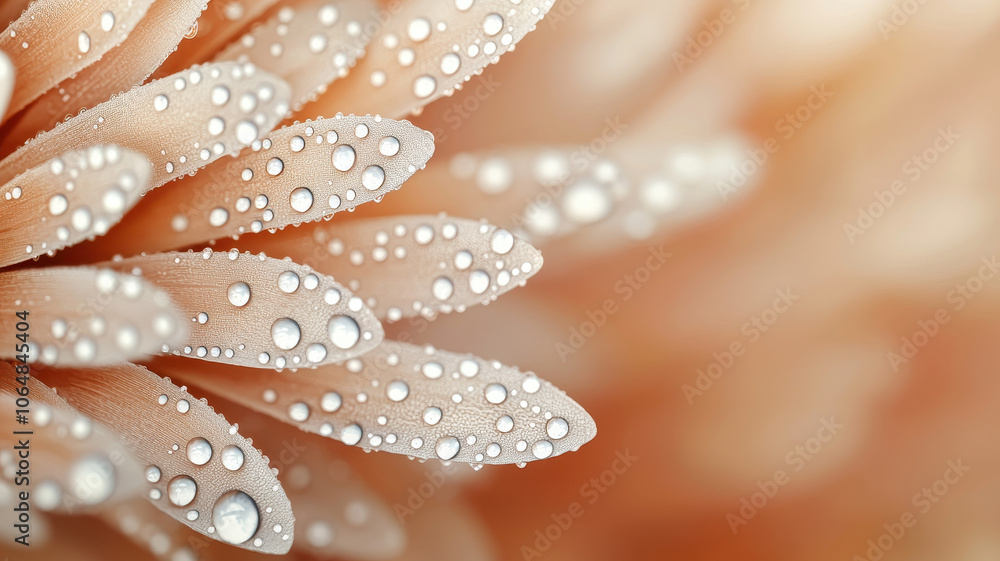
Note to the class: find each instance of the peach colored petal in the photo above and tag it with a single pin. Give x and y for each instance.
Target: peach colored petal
(291, 177)
(251, 310)
(219, 25)
(76, 466)
(87, 316)
(154, 532)
(407, 266)
(75, 196)
(426, 50)
(310, 44)
(55, 39)
(156, 36)
(196, 461)
(180, 123)
(415, 401)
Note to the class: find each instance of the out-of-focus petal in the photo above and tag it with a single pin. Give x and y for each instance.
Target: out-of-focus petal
(407, 266)
(180, 123)
(6, 83)
(199, 470)
(76, 466)
(250, 310)
(300, 173)
(156, 36)
(415, 401)
(426, 50)
(55, 39)
(75, 196)
(310, 44)
(86, 316)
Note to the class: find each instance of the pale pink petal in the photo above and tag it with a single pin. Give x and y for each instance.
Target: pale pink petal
(68, 199)
(199, 470)
(85, 316)
(255, 311)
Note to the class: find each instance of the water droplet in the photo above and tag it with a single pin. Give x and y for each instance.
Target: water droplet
(447, 447)
(220, 95)
(161, 102)
(424, 86)
(83, 42)
(181, 490)
(450, 63)
(285, 333)
(492, 24)
(351, 434)
(246, 133)
(373, 177)
(328, 15)
(493, 450)
(495, 176)
(218, 217)
(298, 412)
(442, 288)
(505, 423)
(423, 234)
(502, 241)
(479, 281)
(496, 393)
(433, 370)
(542, 449)
(288, 282)
(238, 293)
(418, 30)
(556, 428)
(81, 219)
(343, 157)
(107, 21)
(232, 457)
(388, 146)
(530, 384)
(586, 202)
(432, 415)
(463, 260)
(343, 331)
(183, 406)
(317, 43)
(191, 515)
(199, 451)
(93, 479)
(275, 166)
(463, 5)
(235, 517)
(319, 534)
(301, 199)
(397, 390)
(468, 368)
(315, 353)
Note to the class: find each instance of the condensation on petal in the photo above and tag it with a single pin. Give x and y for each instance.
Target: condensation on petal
(406, 266)
(76, 196)
(255, 311)
(457, 407)
(176, 130)
(310, 44)
(76, 465)
(119, 70)
(87, 316)
(55, 39)
(427, 50)
(297, 175)
(156, 421)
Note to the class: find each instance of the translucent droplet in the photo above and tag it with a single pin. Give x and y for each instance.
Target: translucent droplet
(556, 428)
(442, 288)
(505, 423)
(492, 24)
(351, 434)
(343, 331)
(541, 449)
(433, 370)
(530, 384)
(238, 293)
(496, 393)
(301, 199)
(235, 517)
(502, 241)
(450, 63)
(83, 42)
(218, 217)
(432, 415)
(479, 281)
(288, 282)
(298, 412)
(330, 402)
(388, 146)
(232, 457)
(468, 368)
(447, 447)
(397, 390)
(107, 21)
(372, 177)
(463, 260)
(418, 29)
(181, 490)
(315, 352)
(199, 451)
(275, 166)
(92, 479)
(424, 86)
(343, 157)
(246, 133)
(220, 95)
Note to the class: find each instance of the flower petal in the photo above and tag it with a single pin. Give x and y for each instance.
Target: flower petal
(156, 36)
(68, 199)
(55, 39)
(415, 401)
(309, 44)
(427, 50)
(200, 471)
(292, 178)
(76, 466)
(155, 532)
(87, 316)
(218, 26)
(406, 266)
(180, 123)
(251, 310)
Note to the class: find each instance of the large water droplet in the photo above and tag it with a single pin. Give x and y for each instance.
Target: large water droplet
(235, 517)
(83, 42)
(351, 434)
(298, 412)
(330, 402)
(238, 293)
(288, 282)
(479, 281)
(285, 333)
(541, 449)
(199, 451)
(373, 177)
(343, 157)
(502, 241)
(388, 146)
(397, 390)
(556, 428)
(343, 331)
(496, 393)
(152, 474)
(493, 24)
(301, 199)
(232, 457)
(181, 490)
(432, 415)
(447, 447)
(424, 86)
(442, 288)
(58, 205)
(505, 423)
